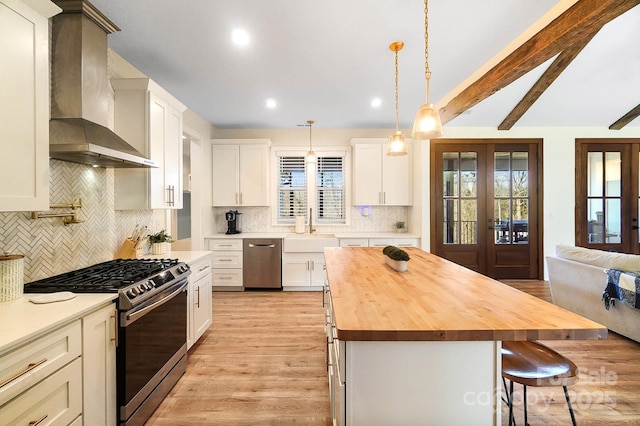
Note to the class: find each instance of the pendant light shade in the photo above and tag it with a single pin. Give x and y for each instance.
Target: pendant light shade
(427, 124)
(396, 144)
(311, 155)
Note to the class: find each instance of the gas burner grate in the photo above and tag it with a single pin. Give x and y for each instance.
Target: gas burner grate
(105, 277)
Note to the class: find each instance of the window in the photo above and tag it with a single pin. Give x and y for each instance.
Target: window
(330, 190)
(292, 188)
(319, 185)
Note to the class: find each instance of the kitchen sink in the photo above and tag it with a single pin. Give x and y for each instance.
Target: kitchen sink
(309, 243)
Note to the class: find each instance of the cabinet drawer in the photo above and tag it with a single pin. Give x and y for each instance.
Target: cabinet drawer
(227, 277)
(200, 268)
(354, 242)
(224, 245)
(25, 366)
(232, 259)
(57, 400)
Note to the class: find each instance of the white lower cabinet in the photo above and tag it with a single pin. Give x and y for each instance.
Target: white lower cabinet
(65, 376)
(99, 334)
(226, 265)
(56, 400)
(380, 242)
(200, 299)
(303, 271)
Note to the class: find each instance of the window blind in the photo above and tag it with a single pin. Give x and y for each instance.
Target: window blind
(330, 191)
(292, 188)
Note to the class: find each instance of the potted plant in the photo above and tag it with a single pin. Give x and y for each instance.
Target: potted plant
(159, 242)
(399, 226)
(396, 258)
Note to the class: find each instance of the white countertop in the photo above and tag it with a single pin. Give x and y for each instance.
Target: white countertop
(337, 234)
(21, 320)
(182, 256)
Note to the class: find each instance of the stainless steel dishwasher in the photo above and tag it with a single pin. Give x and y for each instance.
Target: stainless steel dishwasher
(262, 263)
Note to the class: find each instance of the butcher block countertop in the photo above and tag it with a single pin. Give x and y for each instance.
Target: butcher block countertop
(437, 300)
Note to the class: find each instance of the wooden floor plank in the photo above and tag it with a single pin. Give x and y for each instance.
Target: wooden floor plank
(262, 362)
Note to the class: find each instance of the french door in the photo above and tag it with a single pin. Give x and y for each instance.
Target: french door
(485, 205)
(607, 202)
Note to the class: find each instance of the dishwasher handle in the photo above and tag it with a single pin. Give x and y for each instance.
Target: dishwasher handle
(262, 245)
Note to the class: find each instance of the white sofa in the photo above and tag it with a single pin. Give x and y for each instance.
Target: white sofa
(577, 279)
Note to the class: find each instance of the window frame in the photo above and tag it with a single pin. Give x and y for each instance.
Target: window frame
(311, 200)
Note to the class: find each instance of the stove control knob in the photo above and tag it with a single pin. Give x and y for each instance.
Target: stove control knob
(141, 288)
(151, 284)
(132, 292)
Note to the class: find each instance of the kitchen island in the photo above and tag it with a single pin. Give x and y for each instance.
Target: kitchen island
(423, 346)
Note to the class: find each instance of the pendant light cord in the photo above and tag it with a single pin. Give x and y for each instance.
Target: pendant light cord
(427, 71)
(396, 89)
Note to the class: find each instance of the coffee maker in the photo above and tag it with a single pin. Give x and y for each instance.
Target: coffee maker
(233, 221)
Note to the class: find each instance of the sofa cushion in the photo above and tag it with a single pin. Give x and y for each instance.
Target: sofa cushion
(600, 258)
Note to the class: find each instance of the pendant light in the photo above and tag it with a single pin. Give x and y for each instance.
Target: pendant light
(427, 124)
(311, 155)
(396, 144)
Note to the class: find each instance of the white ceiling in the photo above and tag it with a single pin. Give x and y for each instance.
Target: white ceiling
(326, 60)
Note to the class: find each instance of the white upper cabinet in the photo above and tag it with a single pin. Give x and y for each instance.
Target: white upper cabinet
(24, 104)
(240, 172)
(149, 119)
(379, 179)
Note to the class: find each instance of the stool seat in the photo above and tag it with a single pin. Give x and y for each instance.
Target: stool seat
(533, 364)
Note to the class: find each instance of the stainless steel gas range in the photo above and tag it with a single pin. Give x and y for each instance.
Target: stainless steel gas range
(152, 325)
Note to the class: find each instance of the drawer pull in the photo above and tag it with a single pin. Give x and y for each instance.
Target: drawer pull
(225, 260)
(37, 422)
(203, 268)
(28, 368)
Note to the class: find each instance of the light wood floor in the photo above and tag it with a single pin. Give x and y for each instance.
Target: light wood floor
(262, 362)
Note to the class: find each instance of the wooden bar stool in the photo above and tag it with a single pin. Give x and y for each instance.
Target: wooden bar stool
(533, 364)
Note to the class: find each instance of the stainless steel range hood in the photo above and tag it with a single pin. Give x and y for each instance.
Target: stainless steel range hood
(80, 91)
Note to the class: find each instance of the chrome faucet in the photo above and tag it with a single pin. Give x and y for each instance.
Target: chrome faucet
(311, 221)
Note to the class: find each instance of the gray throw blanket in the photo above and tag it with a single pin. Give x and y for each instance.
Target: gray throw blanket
(624, 286)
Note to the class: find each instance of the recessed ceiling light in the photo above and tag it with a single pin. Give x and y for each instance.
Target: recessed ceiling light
(270, 103)
(240, 37)
(376, 102)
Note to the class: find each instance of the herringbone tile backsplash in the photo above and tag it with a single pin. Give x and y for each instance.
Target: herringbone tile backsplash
(52, 248)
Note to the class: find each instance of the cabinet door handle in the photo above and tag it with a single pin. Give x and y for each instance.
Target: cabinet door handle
(115, 329)
(198, 293)
(313, 265)
(24, 371)
(37, 422)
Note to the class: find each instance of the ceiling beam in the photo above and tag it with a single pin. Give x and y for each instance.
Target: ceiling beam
(626, 119)
(561, 62)
(579, 21)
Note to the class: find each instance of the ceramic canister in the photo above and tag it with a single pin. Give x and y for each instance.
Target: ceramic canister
(11, 277)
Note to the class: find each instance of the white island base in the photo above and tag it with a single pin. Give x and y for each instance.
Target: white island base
(417, 383)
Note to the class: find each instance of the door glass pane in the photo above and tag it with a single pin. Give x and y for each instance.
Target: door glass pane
(612, 174)
(594, 174)
(501, 174)
(595, 218)
(511, 198)
(468, 225)
(520, 215)
(469, 167)
(460, 181)
(450, 223)
(520, 176)
(501, 223)
(604, 197)
(613, 217)
(450, 167)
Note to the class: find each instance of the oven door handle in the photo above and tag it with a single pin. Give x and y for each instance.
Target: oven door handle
(137, 314)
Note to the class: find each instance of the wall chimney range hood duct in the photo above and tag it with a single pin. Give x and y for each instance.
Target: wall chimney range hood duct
(80, 91)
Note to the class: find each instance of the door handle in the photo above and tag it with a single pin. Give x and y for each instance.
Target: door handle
(634, 227)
